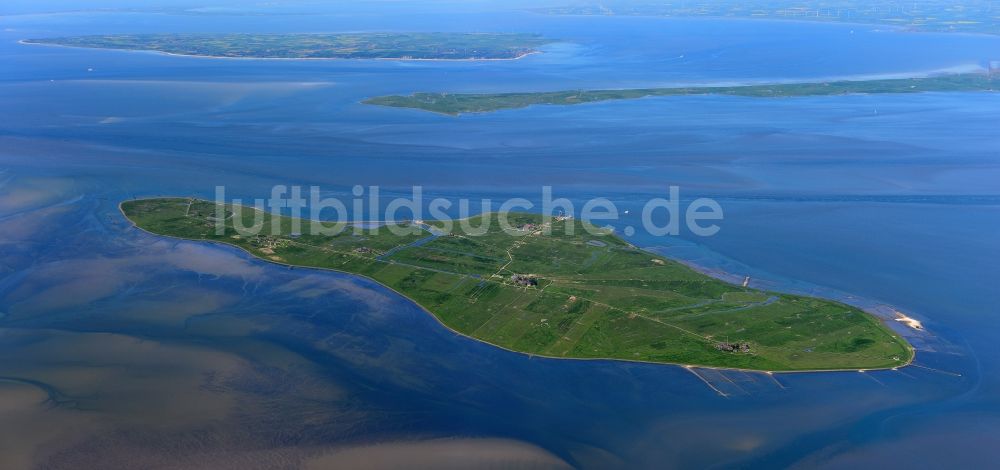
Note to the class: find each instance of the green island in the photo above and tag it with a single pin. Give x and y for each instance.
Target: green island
(554, 289)
(962, 16)
(398, 46)
(461, 103)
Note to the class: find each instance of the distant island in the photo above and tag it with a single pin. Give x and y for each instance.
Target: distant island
(580, 295)
(967, 16)
(398, 46)
(455, 104)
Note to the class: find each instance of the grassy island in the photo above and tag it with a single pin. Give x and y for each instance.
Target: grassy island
(563, 295)
(400, 46)
(455, 104)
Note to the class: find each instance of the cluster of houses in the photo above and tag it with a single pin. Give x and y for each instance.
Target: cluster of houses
(525, 280)
(733, 347)
(265, 241)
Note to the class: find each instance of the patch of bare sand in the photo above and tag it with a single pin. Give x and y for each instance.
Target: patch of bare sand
(70, 283)
(27, 192)
(439, 454)
(29, 424)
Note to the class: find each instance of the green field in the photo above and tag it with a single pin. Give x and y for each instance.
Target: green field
(455, 104)
(567, 295)
(962, 16)
(401, 46)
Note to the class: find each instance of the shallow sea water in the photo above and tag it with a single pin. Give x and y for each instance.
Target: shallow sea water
(121, 348)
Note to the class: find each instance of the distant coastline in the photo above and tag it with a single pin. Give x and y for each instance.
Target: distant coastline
(920, 18)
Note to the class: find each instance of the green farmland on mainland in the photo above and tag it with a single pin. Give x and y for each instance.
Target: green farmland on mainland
(559, 288)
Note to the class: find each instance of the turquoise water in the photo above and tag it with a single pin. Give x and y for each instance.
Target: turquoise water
(883, 201)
